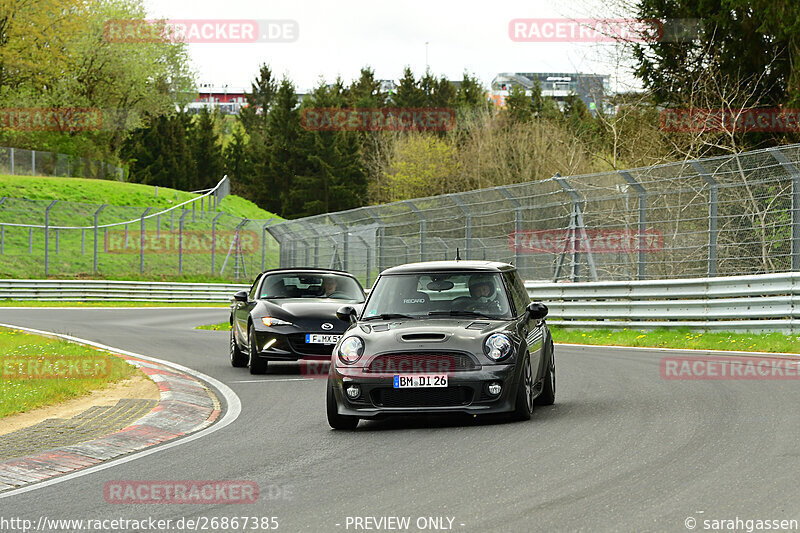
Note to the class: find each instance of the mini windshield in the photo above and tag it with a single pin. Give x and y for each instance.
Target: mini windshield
(438, 295)
(311, 285)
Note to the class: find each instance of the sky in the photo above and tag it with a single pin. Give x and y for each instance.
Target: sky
(339, 37)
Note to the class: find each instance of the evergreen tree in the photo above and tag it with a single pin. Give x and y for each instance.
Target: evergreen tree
(286, 159)
(409, 93)
(206, 149)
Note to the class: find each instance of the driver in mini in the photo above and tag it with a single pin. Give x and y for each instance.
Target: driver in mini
(483, 294)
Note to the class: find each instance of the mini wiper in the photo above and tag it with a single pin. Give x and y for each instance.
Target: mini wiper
(461, 313)
(388, 316)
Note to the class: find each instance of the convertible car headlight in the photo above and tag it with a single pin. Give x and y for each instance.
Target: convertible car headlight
(272, 321)
(351, 350)
(497, 346)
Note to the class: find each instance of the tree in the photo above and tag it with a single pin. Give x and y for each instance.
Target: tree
(159, 153)
(409, 93)
(206, 149)
(286, 159)
(519, 105)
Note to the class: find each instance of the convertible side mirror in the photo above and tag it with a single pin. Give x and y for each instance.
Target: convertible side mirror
(240, 296)
(537, 310)
(346, 313)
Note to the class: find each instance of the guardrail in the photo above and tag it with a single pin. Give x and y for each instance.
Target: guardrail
(759, 303)
(106, 290)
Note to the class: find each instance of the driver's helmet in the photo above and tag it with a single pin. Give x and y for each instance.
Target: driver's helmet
(478, 280)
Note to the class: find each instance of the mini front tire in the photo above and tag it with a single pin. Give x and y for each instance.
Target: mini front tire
(335, 420)
(524, 404)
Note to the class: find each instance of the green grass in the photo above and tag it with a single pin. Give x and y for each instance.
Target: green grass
(222, 326)
(116, 193)
(24, 358)
(681, 338)
(29, 303)
(71, 251)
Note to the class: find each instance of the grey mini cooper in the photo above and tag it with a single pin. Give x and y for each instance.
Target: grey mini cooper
(442, 337)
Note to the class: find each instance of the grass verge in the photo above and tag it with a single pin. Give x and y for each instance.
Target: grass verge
(681, 338)
(222, 326)
(38, 371)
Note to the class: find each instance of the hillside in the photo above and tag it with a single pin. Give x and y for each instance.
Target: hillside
(169, 255)
(115, 193)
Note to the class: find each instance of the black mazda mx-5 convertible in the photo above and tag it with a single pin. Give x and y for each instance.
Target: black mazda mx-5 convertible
(440, 337)
(290, 314)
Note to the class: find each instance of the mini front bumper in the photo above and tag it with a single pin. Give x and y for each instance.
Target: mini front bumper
(466, 392)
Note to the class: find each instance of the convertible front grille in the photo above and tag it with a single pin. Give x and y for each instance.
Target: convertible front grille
(421, 363)
(298, 343)
(433, 397)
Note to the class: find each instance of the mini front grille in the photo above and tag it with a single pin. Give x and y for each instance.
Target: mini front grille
(433, 397)
(421, 363)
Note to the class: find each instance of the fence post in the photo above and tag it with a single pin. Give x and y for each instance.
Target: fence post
(47, 237)
(713, 202)
(180, 241)
(2, 231)
(468, 227)
(517, 224)
(422, 228)
(96, 216)
(214, 242)
(193, 217)
(12, 161)
(58, 234)
(795, 216)
(141, 241)
(379, 236)
(345, 241)
(33, 168)
(642, 193)
(83, 241)
(30, 240)
(576, 225)
(264, 244)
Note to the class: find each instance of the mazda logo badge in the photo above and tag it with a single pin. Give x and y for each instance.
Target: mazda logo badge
(327, 325)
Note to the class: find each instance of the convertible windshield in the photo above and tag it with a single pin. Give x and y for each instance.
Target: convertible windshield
(439, 295)
(311, 285)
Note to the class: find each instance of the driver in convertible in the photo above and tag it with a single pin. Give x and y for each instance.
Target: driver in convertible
(329, 285)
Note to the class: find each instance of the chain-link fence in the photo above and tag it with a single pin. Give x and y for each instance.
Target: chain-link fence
(70, 239)
(719, 216)
(18, 162)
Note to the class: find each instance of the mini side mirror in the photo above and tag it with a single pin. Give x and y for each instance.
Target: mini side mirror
(537, 310)
(240, 296)
(346, 313)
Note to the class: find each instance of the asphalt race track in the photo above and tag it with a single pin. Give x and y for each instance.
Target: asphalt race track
(622, 449)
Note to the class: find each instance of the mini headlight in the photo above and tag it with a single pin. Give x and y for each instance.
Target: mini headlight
(351, 350)
(497, 346)
(272, 321)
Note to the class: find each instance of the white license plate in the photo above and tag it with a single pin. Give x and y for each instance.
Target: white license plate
(417, 381)
(322, 339)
